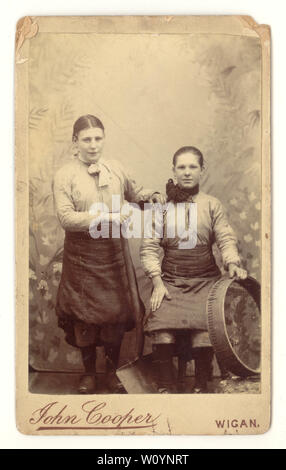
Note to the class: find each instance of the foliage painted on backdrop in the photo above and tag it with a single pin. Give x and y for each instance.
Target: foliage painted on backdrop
(232, 174)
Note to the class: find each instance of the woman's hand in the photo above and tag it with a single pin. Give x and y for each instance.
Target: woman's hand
(158, 198)
(119, 218)
(158, 294)
(236, 271)
(123, 218)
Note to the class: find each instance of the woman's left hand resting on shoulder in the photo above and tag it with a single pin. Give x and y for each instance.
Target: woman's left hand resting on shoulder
(158, 198)
(158, 294)
(236, 271)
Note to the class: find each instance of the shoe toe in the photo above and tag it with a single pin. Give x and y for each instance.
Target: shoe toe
(86, 385)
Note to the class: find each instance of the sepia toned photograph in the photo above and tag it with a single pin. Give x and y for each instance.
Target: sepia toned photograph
(143, 189)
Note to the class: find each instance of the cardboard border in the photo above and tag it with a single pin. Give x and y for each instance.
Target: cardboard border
(159, 413)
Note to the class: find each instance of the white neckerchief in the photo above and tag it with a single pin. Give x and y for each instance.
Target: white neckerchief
(99, 168)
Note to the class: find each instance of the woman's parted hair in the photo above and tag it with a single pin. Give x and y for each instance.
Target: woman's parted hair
(189, 149)
(84, 122)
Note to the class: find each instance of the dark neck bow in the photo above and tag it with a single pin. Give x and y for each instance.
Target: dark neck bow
(177, 194)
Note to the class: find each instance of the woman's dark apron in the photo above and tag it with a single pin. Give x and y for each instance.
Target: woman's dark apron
(188, 275)
(94, 290)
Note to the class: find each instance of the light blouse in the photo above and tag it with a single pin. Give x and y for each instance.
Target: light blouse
(212, 226)
(76, 190)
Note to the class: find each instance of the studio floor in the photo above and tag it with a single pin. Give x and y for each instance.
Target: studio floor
(61, 383)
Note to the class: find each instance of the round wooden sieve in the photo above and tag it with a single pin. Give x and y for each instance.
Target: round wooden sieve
(234, 324)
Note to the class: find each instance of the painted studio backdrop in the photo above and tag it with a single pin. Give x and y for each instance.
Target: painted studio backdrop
(154, 94)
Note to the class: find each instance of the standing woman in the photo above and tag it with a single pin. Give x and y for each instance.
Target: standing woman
(94, 305)
(182, 283)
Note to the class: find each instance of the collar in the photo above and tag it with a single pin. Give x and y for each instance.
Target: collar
(177, 194)
(104, 172)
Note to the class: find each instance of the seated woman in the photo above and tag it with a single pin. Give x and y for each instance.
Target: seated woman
(181, 285)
